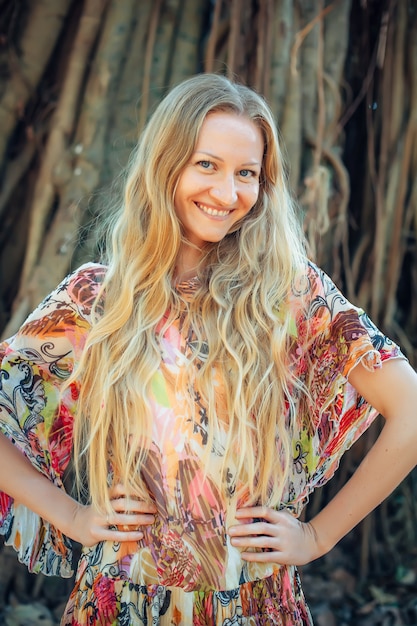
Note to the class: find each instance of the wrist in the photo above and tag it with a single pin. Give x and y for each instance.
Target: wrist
(324, 541)
(51, 503)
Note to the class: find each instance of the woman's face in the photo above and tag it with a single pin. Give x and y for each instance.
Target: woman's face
(220, 184)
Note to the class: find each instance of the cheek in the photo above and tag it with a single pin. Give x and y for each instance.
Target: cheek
(252, 195)
(191, 178)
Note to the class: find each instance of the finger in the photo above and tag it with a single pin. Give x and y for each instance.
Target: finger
(269, 556)
(264, 542)
(117, 535)
(118, 490)
(258, 512)
(255, 528)
(130, 519)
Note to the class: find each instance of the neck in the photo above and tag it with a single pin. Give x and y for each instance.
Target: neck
(187, 264)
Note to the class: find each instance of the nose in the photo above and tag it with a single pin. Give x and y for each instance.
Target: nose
(224, 191)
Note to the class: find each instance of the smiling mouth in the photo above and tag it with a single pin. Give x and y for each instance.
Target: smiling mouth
(214, 212)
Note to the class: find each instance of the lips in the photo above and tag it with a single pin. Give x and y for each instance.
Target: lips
(213, 212)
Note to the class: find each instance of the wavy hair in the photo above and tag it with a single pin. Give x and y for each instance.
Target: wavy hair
(238, 309)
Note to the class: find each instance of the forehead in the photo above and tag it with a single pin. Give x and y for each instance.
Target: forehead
(222, 129)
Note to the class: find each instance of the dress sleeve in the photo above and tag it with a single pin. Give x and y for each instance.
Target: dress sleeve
(332, 414)
(36, 417)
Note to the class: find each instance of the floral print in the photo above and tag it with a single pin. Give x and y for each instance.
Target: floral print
(184, 571)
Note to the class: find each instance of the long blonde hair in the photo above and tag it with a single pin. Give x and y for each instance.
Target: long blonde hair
(238, 310)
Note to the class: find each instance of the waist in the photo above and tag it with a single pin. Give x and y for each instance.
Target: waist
(197, 559)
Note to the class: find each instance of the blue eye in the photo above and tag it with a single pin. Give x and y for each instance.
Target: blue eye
(247, 173)
(205, 164)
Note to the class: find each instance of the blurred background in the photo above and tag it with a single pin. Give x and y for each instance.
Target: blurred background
(78, 80)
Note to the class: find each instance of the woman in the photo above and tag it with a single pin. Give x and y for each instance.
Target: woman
(206, 379)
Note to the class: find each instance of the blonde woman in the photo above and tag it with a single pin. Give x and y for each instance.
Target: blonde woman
(206, 379)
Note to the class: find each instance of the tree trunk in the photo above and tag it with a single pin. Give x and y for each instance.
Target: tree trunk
(79, 80)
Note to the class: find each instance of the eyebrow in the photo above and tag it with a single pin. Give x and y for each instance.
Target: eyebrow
(214, 156)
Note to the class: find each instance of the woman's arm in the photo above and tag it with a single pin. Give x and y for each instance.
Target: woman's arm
(392, 390)
(20, 480)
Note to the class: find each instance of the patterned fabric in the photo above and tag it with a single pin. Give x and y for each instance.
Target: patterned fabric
(184, 571)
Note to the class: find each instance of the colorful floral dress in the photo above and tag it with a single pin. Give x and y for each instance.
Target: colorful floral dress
(184, 571)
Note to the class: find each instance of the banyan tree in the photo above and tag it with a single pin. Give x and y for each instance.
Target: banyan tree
(78, 79)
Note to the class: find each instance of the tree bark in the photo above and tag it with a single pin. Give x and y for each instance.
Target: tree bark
(44, 24)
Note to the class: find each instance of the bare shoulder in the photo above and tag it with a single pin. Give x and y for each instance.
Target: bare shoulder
(390, 389)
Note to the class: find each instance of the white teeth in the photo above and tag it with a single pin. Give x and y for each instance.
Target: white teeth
(211, 211)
